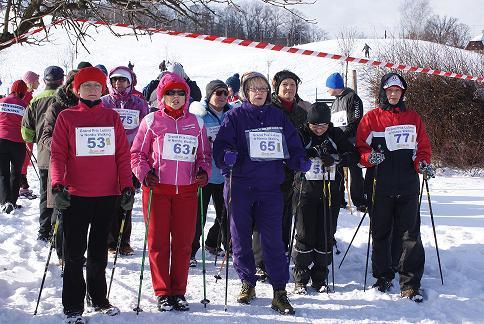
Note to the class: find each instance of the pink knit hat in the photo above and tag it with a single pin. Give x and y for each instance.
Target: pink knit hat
(30, 77)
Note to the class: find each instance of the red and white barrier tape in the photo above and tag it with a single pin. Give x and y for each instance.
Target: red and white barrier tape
(273, 47)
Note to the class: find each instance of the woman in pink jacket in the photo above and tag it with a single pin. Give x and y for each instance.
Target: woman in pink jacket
(171, 156)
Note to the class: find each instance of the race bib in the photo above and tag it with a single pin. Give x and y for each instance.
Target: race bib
(129, 118)
(319, 172)
(95, 141)
(266, 146)
(401, 137)
(180, 147)
(11, 109)
(212, 132)
(339, 119)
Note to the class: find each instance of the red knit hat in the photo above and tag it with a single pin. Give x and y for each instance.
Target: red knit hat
(89, 74)
(19, 87)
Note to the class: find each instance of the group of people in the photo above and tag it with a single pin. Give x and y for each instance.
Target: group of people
(265, 157)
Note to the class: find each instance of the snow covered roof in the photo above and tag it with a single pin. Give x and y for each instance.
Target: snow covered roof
(478, 38)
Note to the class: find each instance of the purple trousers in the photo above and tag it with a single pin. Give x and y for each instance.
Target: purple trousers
(263, 208)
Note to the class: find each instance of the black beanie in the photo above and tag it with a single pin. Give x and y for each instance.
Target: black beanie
(319, 114)
(214, 85)
(281, 76)
(83, 64)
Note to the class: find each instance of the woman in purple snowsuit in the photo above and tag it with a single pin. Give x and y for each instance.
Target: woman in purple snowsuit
(131, 110)
(256, 140)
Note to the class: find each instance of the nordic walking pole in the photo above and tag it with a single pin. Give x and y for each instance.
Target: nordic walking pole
(31, 155)
(118, 245)
(293, 234)
(433, 227)
(330, 223)
(348, 189)
(219, 239)
(369, 228)
(229, 210)
(218, 276)
(352, 239)
(325, 216)
(204, 301)
(47, 263)
(147, 226)
(421, 194)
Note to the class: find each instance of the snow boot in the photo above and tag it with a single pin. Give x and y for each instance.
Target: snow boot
(193, 262)
(27, 193)
(247, 293)
(321, 287)
(280, 303)
(75, 319)
(300, 288)
(382, 284)
(7, 208)
(214, 251)
(412, 294)
(107, 309)
(180, 303)
(164, 303)
(126, 250)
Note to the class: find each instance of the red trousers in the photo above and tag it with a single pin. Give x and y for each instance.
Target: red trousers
(170, 235)
(30, 148)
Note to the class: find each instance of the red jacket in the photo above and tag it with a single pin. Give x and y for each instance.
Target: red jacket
(397, 174)
(12, 109)
(90, 152)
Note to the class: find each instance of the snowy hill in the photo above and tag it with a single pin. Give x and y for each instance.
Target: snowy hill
(457, 201)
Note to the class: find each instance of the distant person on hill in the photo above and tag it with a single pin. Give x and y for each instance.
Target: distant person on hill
(367, 49)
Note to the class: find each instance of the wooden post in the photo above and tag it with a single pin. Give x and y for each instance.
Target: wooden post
(355, 82)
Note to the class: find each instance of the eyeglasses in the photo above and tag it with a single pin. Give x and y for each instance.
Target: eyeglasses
(219, 93)
(258, 90)
(320, 125)
(119, 79)
(91, 85)
(180, 93)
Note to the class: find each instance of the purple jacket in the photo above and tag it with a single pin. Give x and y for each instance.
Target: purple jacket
(233, 135)
(132, 109)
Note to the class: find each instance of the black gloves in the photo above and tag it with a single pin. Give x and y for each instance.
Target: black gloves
(127, 199)
(62, 197)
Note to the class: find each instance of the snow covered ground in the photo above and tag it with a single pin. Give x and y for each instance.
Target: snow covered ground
(457, 200)
(458, 206)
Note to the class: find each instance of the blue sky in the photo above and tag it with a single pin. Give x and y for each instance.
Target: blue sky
(373, 17)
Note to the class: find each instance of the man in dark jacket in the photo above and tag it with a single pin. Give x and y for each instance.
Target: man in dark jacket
(32, 126)
(346, 113)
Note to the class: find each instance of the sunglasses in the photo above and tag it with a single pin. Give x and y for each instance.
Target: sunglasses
(219, 93)
(180, 93)
(120, 79)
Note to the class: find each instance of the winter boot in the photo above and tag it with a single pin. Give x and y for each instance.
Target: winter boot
(382, 284)
(193, 262)
(7, 208)
(180, 303)
(164, 303)
(107, 309)
(412, 294)
(280, 303)
(27, 193)
(300, 288)
(247, 293)
(126, 250)
(321, 287)
(261, 274)
(214, 251)
(75, 318)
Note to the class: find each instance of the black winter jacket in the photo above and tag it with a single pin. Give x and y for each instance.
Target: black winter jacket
(350, 102)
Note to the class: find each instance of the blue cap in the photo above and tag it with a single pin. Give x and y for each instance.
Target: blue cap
(102, 68)
(335, 81)
(53, 73)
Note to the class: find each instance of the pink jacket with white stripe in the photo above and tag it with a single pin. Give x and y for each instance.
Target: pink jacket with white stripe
(147, 148)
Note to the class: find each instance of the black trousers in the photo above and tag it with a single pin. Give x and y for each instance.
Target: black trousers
(95, 212)
(395, 230)
(12, 155)
(218, 231)
(45, 213)
(116, 226)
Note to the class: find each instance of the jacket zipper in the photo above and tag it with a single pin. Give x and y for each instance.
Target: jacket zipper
(176, 172)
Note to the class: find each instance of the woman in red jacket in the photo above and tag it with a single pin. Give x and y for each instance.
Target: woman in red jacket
(12, 146)
(89, 167)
